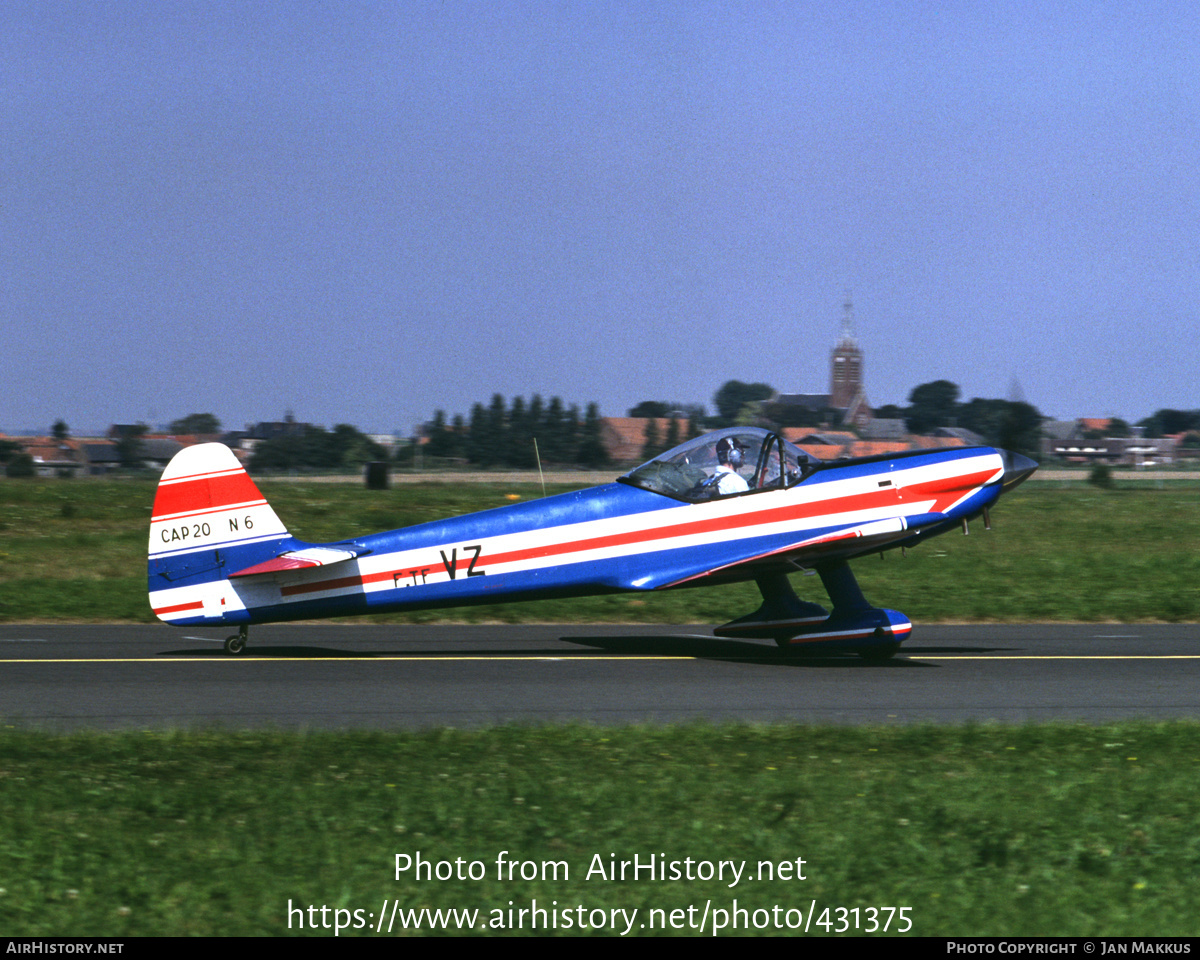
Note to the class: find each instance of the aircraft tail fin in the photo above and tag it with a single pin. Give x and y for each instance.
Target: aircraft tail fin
(209, 519)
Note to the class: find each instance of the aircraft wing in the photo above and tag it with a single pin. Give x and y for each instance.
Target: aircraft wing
(299, 560)
(859, 538)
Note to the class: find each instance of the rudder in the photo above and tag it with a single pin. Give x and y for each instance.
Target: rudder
(209, 519)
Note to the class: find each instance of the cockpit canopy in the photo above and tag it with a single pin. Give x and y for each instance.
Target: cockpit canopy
(700, 469)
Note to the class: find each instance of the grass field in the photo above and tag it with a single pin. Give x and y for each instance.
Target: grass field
(1045, 830)
(76, 551)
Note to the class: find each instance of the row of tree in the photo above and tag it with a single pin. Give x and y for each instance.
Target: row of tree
(517, 434)
(1168, 422)
(1011, 424)
(315, 448)
(503, 435)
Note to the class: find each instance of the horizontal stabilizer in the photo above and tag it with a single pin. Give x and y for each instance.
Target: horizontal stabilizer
(299, 560)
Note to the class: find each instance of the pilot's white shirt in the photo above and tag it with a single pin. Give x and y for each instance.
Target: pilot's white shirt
(728, 481)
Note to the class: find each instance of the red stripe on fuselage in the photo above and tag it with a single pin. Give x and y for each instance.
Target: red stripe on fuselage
(206, 492)
(947, 491)
(194, 605)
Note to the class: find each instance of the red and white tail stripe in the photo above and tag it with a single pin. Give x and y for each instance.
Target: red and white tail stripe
(207, 500)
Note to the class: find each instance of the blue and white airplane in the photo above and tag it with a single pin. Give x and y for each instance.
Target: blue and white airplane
(738, 504)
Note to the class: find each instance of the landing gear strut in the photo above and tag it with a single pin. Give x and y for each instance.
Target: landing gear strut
(853, 626)
(237, 643)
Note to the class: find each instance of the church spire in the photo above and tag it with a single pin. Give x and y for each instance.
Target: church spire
(847, 338)
(846, 367)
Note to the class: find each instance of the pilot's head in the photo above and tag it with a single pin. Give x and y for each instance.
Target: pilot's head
(730, 452)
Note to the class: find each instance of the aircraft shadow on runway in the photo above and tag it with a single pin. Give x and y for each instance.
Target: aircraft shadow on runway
(734, 651)
(650, 645)
(703, 648)
(720, 649)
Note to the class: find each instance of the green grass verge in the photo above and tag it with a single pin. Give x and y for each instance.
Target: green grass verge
(76, 551)
(1038, 830)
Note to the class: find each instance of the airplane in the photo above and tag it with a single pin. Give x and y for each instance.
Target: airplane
(737, 504)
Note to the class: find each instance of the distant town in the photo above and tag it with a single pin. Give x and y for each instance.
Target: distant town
(525, 433)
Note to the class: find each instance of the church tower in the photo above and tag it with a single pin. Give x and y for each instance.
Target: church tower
(846, 373)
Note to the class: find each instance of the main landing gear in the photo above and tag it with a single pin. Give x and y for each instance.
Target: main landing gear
(854, 626)
(237, 643)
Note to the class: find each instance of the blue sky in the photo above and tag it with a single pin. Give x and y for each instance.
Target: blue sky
(365, 211)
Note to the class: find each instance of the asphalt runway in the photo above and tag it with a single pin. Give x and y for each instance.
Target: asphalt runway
(402, 677)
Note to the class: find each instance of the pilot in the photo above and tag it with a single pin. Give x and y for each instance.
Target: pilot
(726, 480)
